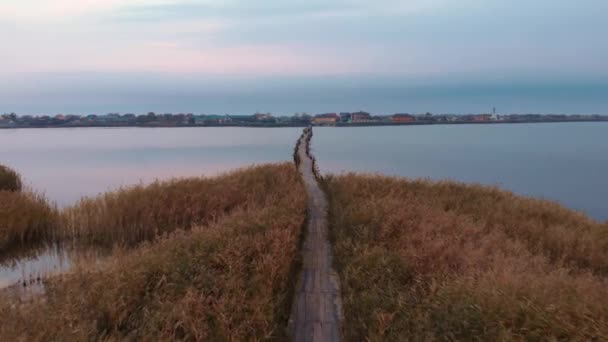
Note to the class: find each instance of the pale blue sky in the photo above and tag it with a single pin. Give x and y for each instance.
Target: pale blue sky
(101, 45)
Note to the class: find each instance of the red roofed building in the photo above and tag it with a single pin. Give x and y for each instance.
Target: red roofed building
(361, 117)
(329, 118)
(402, 118)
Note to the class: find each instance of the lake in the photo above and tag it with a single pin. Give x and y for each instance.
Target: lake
(67, 164)
(564, 162)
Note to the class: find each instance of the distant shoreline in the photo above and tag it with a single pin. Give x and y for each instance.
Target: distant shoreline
(295, 125)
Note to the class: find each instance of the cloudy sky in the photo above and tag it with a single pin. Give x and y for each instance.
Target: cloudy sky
(90, 47)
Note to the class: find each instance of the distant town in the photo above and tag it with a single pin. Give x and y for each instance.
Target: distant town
(360, 118)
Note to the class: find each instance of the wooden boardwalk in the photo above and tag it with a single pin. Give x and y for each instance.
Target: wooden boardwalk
(317, 308)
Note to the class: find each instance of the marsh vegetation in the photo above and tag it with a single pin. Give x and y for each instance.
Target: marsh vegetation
(10, 180)
(422, 260)
(216, 259)
(26, 218)
(191, 259)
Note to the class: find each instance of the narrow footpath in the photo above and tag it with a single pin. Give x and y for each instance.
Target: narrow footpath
(317, 308)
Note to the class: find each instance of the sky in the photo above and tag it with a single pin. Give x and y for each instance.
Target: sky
(303, 55)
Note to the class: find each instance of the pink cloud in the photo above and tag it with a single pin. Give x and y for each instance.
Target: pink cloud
(172, 57)
(58, 9)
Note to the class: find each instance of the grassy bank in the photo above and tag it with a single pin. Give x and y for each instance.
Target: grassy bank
(229, 277)
(421, 261)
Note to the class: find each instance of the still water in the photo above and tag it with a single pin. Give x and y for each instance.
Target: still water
(66, 164)
(563, 162)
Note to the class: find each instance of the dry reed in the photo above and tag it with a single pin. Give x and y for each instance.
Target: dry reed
(26, 219)
(9, 179)
(228, 280)
(131, 215)
(420, 260)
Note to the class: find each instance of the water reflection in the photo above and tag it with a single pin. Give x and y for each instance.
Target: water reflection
(23, 275)
(29, 271)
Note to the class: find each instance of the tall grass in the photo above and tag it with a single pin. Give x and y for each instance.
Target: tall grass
(421, 260)
(132, 215)
(26, 219)
(228, 279)
(9, 179)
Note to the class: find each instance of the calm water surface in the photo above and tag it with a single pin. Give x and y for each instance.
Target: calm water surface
(25, 273)
(67, 164)
(563, 162)
(567, 163)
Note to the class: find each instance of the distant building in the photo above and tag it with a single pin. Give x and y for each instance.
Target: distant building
(361, 117)
(263, 117)
(325, 119)
(210, 119)
(345, 117)
(110, 119)
(6, 123)
(402, 118)
(482, 117)
(242, 118)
